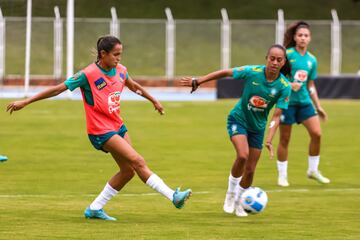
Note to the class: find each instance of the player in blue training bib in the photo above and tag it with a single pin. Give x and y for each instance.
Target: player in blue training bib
(304, 106)
(265, 86)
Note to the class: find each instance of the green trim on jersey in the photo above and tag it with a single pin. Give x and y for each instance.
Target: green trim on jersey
(79, 80)
(259, 96)
(303, 69)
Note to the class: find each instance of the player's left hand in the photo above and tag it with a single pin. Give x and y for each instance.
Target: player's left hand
(269, 146)
(159, 107)
(322, 114)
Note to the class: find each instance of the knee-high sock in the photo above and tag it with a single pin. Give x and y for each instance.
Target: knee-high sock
(156, 183)
(107, 193)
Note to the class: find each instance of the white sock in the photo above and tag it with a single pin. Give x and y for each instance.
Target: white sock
(313, 163)
(233, 183)
(239, 192)
(158, 185)
(282, 168)
(107, 193)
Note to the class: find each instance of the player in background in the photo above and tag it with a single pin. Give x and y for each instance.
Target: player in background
(303, 99)
(264, 87)
(101, 84)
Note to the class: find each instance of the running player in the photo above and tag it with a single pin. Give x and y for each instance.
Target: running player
(302, 102)
(264, 87)
(101, 84)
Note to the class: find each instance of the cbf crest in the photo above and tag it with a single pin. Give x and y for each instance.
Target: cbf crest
(122, 77)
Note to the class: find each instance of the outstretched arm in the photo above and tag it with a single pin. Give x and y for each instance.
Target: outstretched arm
(138, 89)
(315, 98)
(47, 93)
(274, 124)
(196, 82)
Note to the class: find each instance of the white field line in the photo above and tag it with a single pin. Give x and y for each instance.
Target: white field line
(153, 194)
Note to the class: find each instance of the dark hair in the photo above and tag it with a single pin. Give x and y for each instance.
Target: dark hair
(286, 69)
(106, 43)
(291, 31)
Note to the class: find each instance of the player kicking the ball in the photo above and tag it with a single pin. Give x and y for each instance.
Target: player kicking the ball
(101, 84)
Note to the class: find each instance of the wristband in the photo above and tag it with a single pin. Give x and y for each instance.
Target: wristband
(312, 90)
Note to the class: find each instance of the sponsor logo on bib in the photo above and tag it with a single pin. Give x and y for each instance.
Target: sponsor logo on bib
(114, 102)
(100, 83)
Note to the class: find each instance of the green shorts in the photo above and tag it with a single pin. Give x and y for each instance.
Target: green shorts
(255, 138)
(297, 114)
(98, 141)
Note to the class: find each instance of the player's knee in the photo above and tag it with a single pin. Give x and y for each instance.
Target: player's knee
(316, 135)
(138, 163)
(242, 157)
(284, 140)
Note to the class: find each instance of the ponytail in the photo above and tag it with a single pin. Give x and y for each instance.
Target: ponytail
(286, 69)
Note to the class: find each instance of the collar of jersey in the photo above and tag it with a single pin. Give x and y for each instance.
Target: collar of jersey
(266, 82)
(299, 53)
(109, 73)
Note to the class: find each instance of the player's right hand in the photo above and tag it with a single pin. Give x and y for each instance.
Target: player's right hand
(190, 82)
(158, 107)
(269, 146)
(16, 106)
(322, 114)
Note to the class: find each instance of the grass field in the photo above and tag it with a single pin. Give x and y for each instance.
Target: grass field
(53, 173)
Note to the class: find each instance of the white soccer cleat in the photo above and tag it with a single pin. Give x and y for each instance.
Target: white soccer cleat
(318, 177)
(283, 182)
(229, 203)
(239, 210)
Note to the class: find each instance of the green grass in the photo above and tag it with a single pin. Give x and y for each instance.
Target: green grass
(53, 173)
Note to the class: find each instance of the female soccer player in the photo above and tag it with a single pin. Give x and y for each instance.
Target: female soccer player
(264, 87)
(101, 84)
(302, 101)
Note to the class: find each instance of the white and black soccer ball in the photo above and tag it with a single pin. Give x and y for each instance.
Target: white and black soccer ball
(254, 200)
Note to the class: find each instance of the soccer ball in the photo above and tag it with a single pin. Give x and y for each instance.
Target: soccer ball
(254, 200)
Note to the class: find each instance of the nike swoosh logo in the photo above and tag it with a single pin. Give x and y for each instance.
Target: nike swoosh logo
(255, 83)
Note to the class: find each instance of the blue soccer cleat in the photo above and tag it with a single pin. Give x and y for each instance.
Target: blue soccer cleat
(100, 214)
(3, 158)
(179, 197)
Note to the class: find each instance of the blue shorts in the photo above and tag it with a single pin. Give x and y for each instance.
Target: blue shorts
(297, 114)
(98, 141)
(255, 138)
